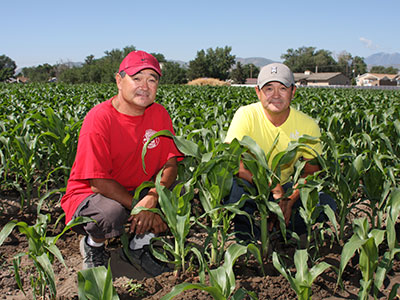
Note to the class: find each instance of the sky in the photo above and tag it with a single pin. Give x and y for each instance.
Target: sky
(38, 32)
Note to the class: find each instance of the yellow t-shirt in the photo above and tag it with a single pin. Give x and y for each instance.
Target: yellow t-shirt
(251, 120)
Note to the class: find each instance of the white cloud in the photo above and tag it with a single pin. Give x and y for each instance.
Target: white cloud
(368, 43)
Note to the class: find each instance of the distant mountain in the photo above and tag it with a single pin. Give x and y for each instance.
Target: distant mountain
(383, 59)
(257, 61)
(181, 63)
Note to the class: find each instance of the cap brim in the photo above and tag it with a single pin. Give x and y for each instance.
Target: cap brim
(134, 70)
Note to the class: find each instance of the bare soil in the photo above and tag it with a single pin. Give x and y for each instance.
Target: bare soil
(247, 271)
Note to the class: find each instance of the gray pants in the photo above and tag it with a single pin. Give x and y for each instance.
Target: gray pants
(110, 217)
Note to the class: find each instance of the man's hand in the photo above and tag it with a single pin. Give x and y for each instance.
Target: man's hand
(278, 192)
(158, 225)
(286, 207)
(143, 221)
(285, 204)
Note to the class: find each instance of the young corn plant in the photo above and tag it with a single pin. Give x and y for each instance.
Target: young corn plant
(176, 208)
(58, 139)
(386, 263)
(96, 283)
(42, 251)
(265, 178)
(366, 242)
(343, 171)
(25, 163)
(377, 186)
(310, 209)
(175, 211)
(214, 177)
(301, 283)
(222, 280)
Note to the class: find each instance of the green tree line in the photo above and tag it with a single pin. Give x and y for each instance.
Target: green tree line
(211, 63)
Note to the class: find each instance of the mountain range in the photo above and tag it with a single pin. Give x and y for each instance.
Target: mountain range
(383, 59)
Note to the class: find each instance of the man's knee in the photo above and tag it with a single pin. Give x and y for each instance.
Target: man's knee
(325, 199)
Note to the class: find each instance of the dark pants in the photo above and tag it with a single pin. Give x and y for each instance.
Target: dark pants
(296, 224)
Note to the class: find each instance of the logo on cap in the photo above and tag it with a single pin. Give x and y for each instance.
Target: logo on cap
(274, 70)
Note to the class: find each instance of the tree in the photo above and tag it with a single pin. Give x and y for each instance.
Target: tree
(238, 74)
(358, 66)
(351, 66)
(89, 59)
(213, 63)
(299, 60)
(324, 62)
(173, 73)
(198, 67)
(41, 73)
(306, 58)
(251, 70)
(160, 57)
(344, 64)
(383, 70)
(7, 67)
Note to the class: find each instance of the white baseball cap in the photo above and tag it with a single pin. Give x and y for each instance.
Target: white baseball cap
(275, 72)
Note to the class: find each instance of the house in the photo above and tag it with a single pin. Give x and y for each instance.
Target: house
(251, 81)
(321, 79)
(374, 79)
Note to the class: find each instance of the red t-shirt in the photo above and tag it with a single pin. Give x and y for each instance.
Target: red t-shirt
(110, 147)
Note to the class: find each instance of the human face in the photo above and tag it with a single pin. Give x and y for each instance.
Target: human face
(136, 92)
(276, 97)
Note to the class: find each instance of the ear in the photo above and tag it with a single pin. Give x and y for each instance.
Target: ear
(293, 91)
(258, 91)
(118, 80)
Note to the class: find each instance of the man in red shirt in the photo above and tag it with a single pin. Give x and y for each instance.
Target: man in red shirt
(108, 165)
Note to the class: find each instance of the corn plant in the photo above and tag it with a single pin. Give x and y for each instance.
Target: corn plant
(96, 283)
(377, 186)
(59, 139)
(301, 283)
(175, 206)
(222, 279)
(213, 177)
(42, 251)
(310, 209)
(343, 172)
(24, 162)
(264, 180)
(386, 263)
(366, 242)
(266, 177)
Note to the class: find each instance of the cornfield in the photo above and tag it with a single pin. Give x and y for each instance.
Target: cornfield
(361, 164)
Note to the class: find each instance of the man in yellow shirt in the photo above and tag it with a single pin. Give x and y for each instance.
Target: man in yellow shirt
(263, 121)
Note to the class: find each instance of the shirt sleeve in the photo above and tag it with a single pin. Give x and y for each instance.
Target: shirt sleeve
(239, 126)
(93, 157)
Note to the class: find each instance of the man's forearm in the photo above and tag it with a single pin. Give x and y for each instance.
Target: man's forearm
(244, 173)
(111, 189)
(309, 169)
(169, 173)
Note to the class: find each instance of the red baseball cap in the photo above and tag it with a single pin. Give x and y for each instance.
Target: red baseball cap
(136, 61)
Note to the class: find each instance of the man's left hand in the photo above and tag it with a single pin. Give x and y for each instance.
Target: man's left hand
(143, 221)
